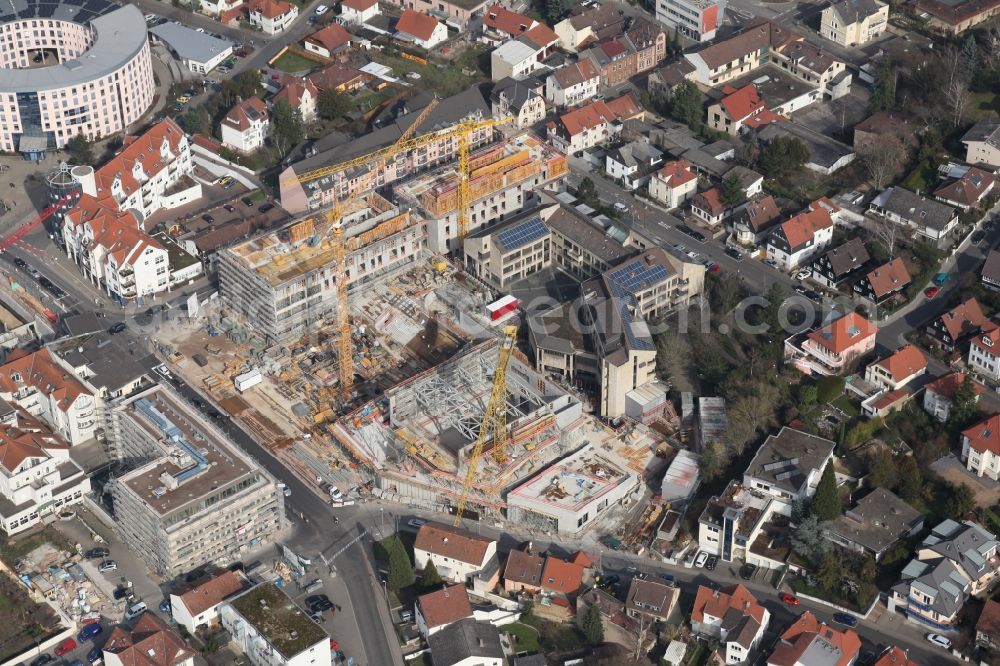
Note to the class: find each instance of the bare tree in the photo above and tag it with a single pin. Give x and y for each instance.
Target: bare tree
(991, 47)
(882, 158)
(958, 99)
(884, 230)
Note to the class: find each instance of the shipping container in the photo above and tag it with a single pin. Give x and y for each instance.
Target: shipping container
(502, 307)
(248, 379)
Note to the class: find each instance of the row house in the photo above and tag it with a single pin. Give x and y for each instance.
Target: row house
(984, 352)
(939, 394)
(523, 55)
(588, 24)
(638, 50)
(633, 163)
(753, 220)
(841, 263)
(593, 124)
(673, 184)
(501, 24)
(898, 369)
(954, 327)
(796, 240)
(573, 83)
(981, 448)
(545, 576)
(881, 284)
(519, 99)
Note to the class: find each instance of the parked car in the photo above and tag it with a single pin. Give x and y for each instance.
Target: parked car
(415, 522)
(135, 610)
(667, 577)
(165, 606)
(789, 599)
(229, 208)
(319, 603)
(700, 560)
(931, 292)
(97, 553)
(89, 631)
(978, 236)
(42, 659)
(20, 263)
(68, 645)
(161, 370)
(263, 208)
(711, 562)
(608, 581)
(734, 253)
(939, 640)
(845, 619)
(95, 655)
(747, 571)
(804, 274)
(30, 270)
(107, 565)
(117, 328)
(208, 218)
(247, 201)
(939, 280)
(123, 592)
(321, 9)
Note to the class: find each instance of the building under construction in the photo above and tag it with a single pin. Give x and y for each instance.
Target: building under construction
(503, 179)
(283, 284)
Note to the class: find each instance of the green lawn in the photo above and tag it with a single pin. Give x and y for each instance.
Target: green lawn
(983, 104)
(556, 637)
(525, 637)
(293, 62)
(844, 404)
(446, 81)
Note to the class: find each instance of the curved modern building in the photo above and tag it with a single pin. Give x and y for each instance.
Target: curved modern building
(69, 67)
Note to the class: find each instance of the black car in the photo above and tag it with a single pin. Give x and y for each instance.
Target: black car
(609, 580)
(117, 328)
(711, 562)
(698, 236)
(747, 571)
(247, 201)
(208, 218)
(123, 593)
(229, 208)
(43, 659)
(97, 553)
(20, 263)
(263, 208)
(319, 603)
(734, 253)
(978, 236)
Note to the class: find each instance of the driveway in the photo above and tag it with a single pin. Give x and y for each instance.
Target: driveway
(951, 469)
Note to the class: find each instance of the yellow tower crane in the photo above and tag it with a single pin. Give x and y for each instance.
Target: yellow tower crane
(494, 420)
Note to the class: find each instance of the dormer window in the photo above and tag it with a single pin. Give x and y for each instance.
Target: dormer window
(987, 341)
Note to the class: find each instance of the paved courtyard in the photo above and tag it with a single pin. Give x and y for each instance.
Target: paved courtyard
(951, 469)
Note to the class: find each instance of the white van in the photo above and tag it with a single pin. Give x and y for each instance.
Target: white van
(135, 610)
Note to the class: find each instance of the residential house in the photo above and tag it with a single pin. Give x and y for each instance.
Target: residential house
(501, 24)
(246, 125)
(881, 284)
(981, 448)
(988, 627)
(338, 76)
(633, 163)
(573, 83)
(991, 271)
(853, 22)
(707, 206)
(436, 610)
(968, 191)
(732, 113)
(897, 369)
(753, 221)
(636, 51)
(954, 18)
(301, 94)
(751, 182)
(272, 16)
(592, 124)
(330, 41)
(833, 348)
(198, 606)
(926, 217)
(695, 19)
(733, 616)
(955, 561)
(357, 12)
(662, 82)
(955, 327)
(840, 264)
(650, 599)
(788, 466)
(982, 143)
(520, 99)
(149, 641)
(467, 643)
(38, 383)
(732, 521)
(563, 578)
(587, 24)
(808, 642)
(522, 572)
(673, 184)
(894, 656)
(793, 242)
(456, 554)
(939, 393)
(37, 476)
(455, 13)
(514, 59)
(881, 123)
(421, 29)
(984, 352)
(877, 522)
(217, 7)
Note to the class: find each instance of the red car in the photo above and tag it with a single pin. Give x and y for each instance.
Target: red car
(931, 292)
(65, 647)
(789, 599)
(334, 645)
(713, 268)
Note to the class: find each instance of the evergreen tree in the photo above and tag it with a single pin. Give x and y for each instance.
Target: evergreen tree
(963, 405)
(782, 156)
(826, 502)
(196, 121)
(586, 192)
(961, 500)
(331, 104)
(731, 191)
(80, 150)
(430, 578)
(970, 56)
(400, 567)
(708, 464)
(286, 127)
(828, 573)
(911, 481)
(592, 627)
(884, 94)
(687, 105)
(808, 540)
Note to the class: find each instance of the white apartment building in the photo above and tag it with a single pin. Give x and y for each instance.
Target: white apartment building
(792, 243)
(271, 630)
(851, 22)
(984, 353)
(981, 448)
(673, 184)
(37, 476)
(37, 383)
(456, 554)
(788, 467)
(697, 19)
(272, 16)
(216, 7)
(515, 58)
(573, 83)
(192, 496)
(246, 125)
(731, 522)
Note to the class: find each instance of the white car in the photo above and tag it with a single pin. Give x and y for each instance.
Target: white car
(335, 493)
(804, 274)
(321, 9)
(702, 558)
(413, 75)
(161, 370)
(939, 640)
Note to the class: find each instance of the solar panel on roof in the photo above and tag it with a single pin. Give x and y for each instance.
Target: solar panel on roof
(522, 234)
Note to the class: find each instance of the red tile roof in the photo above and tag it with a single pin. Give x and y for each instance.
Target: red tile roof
(989, 340)
(718, 602)
(144, 151)
(501, 19)
(804, 632)
(895, 656)
(541, 36)
(29, 439)
(946, 385)
(335, 75)
(904, 362)
(561, 576)
(624, 107)
(765, 117)
(676, 173)
(969, 189)
(39, 370)
(358, 5)
(803, 227)
(889, 277)
(524, 568)
(575, 73)
(417, 24)
(332, 37)
(985, 435)
(294, 90)
(453, 543)
(760, 213)
(710, 200)
(245, 113)
(989, 620)
(445, 606)
(844, 333)
(119, 233)
(742, 103)
(212, 592)
(597, 113)
(963, 319)
(149, 643)
(272, 9)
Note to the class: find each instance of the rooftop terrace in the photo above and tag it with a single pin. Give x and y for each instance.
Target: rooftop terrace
(279, 620)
